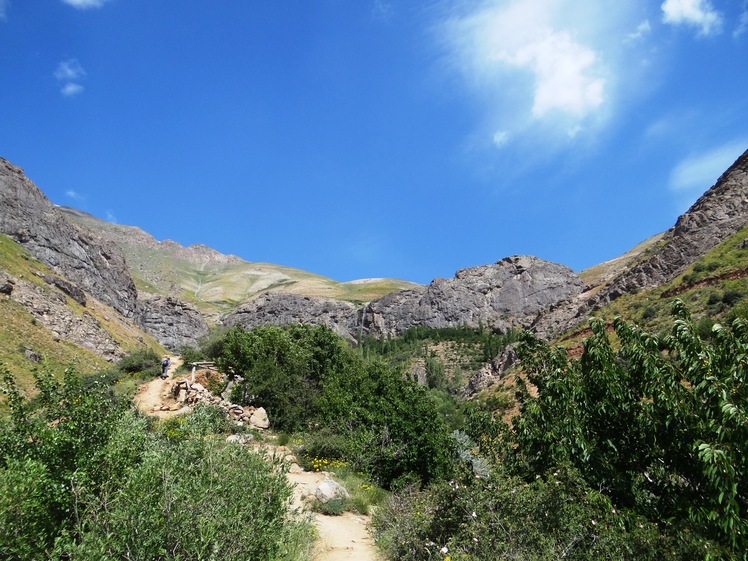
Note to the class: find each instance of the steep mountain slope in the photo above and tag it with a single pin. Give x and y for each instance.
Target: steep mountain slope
(718, 214)
(84, 264)
(216, 283)
(94, 265)
(47, 322)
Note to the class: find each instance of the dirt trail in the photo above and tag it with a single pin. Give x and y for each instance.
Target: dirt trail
(340, 538)
(153, 397)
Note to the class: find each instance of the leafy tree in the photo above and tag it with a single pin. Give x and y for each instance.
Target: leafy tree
(660, 425)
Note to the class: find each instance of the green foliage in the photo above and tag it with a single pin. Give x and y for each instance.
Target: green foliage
(83, 477)
(476, 346)
(201, 500)
(660, 425)
(557, 516)
(144, 361)
(334, 507)
(203, 420)
(25, 517)
(366, 412)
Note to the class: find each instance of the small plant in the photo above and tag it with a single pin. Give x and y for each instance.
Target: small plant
(334, 507)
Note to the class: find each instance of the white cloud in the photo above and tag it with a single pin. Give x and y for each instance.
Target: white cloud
(110, 217)
(4, 4)
(85, 4)
(382, 10)
(501, 138)
(697, 13)
(642, 30)
(564, 71)
(74, 195)
(691, 177)
(70, 72)
(71, 88)
(742, 21)
(544, 70)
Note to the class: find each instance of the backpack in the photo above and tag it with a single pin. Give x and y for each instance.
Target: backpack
(165, 363)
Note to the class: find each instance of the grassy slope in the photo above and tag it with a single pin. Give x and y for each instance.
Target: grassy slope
(19, 330)
(161, 268)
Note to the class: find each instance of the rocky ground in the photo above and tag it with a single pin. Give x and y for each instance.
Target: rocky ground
(340, 538)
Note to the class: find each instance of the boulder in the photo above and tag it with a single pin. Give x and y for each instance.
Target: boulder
(259, 419)
(329, 490)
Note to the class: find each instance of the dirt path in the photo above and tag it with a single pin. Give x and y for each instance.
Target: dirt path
(153, 397)
(340, 538)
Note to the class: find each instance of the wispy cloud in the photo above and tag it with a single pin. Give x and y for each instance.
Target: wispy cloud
(642, 30)
(85, 4)
(543, 68)
(742, 21)
(110, 217)
(69, 73)
(694, 13)
(71, 194)
(382, 10)
(501, 138)
(695, 174)
(4, 5)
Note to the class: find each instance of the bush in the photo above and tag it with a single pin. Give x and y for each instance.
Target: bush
(502, 517)
(141, 361)
(199, 500)
(83, 477)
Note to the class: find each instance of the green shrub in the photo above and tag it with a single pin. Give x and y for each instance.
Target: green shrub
(142, 361)
(28, 514)
(501, 517)
(333, 507)
(201, 499)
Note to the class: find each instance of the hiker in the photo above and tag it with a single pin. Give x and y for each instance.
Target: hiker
(165, 367)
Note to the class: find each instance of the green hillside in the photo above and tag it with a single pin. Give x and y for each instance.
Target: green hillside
(216, 284)
(22, 335)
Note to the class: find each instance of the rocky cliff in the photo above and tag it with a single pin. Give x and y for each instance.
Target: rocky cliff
(85, 264)
(280, 308)
(171, 322)
(717, 215)
(507, 294)
(93, 265)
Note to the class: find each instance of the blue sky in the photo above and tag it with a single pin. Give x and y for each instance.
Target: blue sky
(376, 138)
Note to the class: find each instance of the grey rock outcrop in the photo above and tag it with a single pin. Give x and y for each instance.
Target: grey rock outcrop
(491, 373)
(288, 309)
(171, 322)
(718, 214)
(507, 294)
(93, 265)
(49, 307)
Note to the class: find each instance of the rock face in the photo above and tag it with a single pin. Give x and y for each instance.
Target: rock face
(88, 264)
(49, 307)
(507, 294)
(91, 264)
(717, 215)
(510, 293)
(171, 322)
(288, 309)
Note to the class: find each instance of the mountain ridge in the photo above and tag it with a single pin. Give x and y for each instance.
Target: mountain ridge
(173, 292)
